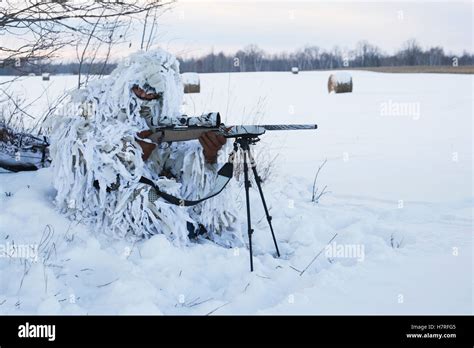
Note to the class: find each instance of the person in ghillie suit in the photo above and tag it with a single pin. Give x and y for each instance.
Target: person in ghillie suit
(99, 153)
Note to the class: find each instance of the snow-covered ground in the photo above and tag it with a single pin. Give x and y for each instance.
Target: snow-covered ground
(399, 151)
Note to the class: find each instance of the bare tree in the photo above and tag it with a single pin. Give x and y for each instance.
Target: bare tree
(255, 56)
(35, 30)
(436, 55)
(411, 52)
(367, 54)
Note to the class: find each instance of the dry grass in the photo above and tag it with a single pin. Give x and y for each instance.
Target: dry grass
(468, 69)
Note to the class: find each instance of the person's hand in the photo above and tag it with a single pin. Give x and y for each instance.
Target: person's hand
(211, 144)
(147, 148)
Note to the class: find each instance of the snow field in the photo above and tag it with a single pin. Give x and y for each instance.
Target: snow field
(399, 169)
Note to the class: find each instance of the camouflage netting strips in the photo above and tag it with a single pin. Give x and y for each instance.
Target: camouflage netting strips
(95, 148)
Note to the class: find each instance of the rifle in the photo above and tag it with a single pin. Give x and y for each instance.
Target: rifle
(190, 128)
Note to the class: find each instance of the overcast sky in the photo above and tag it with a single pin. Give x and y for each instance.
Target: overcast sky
(197, 27)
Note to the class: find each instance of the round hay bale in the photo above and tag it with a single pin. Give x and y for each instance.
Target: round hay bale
(191, 82)
(295, 70)
(340, 82)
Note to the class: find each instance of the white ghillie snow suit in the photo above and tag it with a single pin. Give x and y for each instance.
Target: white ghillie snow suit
(97, 144)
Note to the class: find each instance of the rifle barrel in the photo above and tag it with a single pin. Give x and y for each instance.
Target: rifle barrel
(272, 127)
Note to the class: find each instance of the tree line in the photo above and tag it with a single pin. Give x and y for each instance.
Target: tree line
(253, 58)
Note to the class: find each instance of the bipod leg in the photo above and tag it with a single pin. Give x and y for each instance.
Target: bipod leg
(245, 147)
(258, 180)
